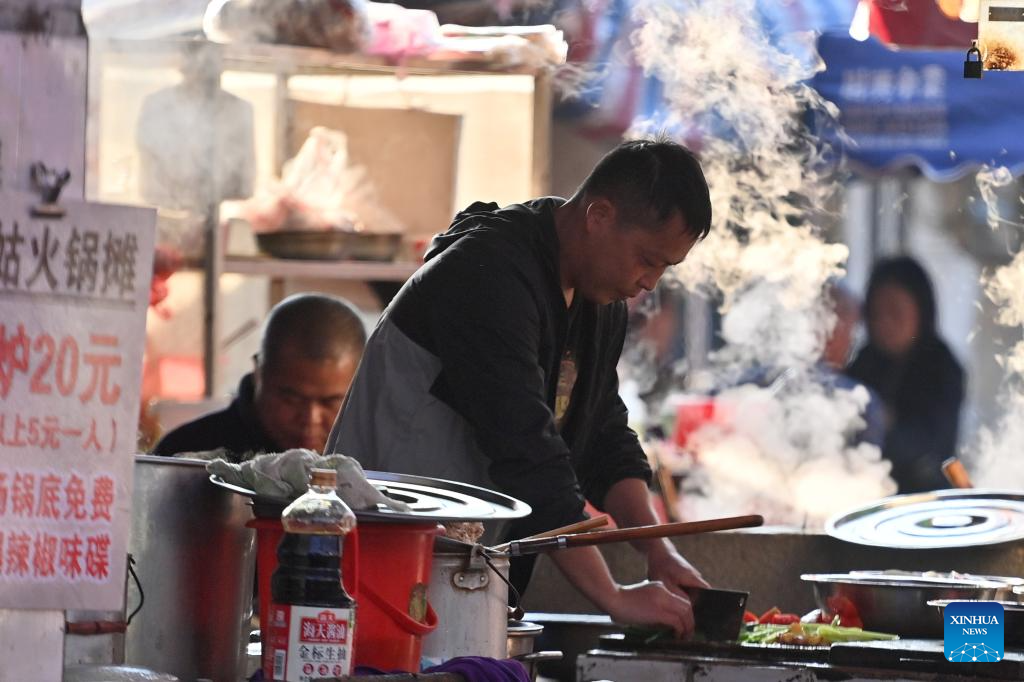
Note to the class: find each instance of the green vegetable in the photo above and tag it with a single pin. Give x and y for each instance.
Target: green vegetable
(829, 634)
(838, 633)
(648, 634)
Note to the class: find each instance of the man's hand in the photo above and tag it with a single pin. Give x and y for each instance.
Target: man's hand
(646, 603)
(666, 565)
(629, 503)
(651, 603)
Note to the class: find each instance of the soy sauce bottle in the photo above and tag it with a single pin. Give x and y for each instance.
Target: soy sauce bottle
(312, 617)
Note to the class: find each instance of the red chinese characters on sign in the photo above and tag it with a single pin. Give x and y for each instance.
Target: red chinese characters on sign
(98, 435)
(63, 367)
(324, 629)
(71, 557)
(50, 496)
(44, 555)
(55, 556)
(14, 355)
(52, 550)
(74, 493)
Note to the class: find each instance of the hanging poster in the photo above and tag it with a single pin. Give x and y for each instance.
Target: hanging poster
(74, 289)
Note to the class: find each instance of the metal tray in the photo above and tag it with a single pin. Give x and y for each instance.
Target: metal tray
(431, 499)
(938, 520)
(736, 651)
(329, 245)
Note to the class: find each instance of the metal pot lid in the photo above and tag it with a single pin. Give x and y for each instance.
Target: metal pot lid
(1012, 606)
(937, 520)
(430, 499)
(521, 628)
(913, 579)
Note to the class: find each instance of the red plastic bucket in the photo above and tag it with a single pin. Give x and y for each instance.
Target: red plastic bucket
(394, 615)
(386, 569)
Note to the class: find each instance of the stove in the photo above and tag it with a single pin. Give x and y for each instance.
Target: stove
(619, 658)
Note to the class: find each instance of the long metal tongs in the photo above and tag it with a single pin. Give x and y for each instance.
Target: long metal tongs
(663, 530)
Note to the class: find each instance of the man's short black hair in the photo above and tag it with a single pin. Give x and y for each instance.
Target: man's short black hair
(647, 179)
(314, 326)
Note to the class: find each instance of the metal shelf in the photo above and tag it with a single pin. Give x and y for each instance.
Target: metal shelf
(297, 60)
(344, 270)
(283, 62)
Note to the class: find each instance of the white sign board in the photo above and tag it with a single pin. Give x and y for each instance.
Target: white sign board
(1001, 34)
(73, 298)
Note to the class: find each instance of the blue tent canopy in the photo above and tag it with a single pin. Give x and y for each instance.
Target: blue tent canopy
(914, 108)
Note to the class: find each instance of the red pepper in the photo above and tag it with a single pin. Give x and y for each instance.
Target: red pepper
(749, 617)
(766, 617)
(784, 619)
(845, 609)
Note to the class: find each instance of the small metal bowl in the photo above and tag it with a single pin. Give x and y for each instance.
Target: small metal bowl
(898, 603)
(521, 637)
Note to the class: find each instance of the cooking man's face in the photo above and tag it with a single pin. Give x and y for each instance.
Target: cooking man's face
(622, 259)
(297, 399)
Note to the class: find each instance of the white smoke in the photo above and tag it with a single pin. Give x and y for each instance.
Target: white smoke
(787, 448)
(784, 455)
(998, 463)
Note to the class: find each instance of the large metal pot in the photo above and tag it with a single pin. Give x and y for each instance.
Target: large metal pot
(470, 597)
(897, 601)
(195, 562)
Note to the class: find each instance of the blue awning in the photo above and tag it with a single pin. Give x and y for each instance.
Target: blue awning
(914, 108)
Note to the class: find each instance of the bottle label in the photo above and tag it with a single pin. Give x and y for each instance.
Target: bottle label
(309, 642)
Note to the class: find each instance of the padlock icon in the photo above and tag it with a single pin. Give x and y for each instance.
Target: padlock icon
(972, 69)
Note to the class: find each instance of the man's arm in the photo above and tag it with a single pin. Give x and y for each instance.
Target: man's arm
(617, 471)
(629, 503)
(642, 603)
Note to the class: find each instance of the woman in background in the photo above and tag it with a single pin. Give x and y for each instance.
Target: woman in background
(920, 382)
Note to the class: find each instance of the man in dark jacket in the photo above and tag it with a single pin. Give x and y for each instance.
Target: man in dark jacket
(495, 363)
(310, 348)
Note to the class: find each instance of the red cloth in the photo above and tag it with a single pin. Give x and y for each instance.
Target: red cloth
(920, 24)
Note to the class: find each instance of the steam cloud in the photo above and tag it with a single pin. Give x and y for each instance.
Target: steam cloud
(998, 463)
(784, 450)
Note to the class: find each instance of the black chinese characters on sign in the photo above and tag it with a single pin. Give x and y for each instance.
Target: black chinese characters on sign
(78, 263)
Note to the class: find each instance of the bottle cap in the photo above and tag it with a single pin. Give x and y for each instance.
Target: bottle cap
(324, 478)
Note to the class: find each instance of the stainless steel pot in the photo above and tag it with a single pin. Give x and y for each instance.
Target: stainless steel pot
(522, 637)
(897, 602)
(470, 597)
(195, 562)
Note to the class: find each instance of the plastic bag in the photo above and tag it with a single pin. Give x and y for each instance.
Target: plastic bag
(338, 25)
(320, 190)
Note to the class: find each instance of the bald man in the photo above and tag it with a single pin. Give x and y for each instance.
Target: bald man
(309, 351)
